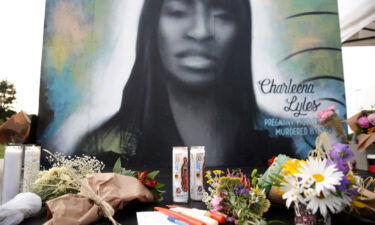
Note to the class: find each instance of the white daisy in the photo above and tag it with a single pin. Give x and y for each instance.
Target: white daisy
(325, 177)
(291, 189)
(308, 193)
(332, 202)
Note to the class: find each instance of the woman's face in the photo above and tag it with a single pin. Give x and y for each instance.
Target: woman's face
(195, 38)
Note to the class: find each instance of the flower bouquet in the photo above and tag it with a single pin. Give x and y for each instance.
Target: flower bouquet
(58, 180)
(363, 125)
(319, 185)
(315, 187)
(325, 182)
(234, 195)
(145, 177)
(329, 118)
(77, 182)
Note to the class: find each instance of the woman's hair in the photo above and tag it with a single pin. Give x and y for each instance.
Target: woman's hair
(145, 95)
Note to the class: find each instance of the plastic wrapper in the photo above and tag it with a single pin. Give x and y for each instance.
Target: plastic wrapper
(115, 189)
(22, 206)
(269, 178)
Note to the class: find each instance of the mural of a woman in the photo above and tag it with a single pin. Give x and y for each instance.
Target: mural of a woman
(190, 85)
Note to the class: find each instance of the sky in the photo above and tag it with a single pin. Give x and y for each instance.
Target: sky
(21, 40)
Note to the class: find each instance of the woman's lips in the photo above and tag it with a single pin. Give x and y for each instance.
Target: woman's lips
(196, 60)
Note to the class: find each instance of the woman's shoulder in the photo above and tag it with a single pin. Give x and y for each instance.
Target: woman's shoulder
(111, 136)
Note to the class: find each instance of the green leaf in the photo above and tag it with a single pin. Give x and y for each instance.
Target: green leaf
(159, 185)
(117, 167)
(153, 174)
(130, 173)
(254, 172)
(276, 221)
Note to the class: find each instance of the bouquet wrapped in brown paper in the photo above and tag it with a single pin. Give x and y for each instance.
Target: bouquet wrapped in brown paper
(101, 194)
(363, 125)
(16, 129)
(365, 206)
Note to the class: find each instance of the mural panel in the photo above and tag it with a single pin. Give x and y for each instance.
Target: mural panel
(134, 78)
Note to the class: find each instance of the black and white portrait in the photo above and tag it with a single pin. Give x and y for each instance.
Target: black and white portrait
(190, 82)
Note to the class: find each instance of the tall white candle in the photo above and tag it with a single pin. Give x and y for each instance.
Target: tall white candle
(31, 167)
(180, 177)
(197, 154)
(12, 172)
(1, 177)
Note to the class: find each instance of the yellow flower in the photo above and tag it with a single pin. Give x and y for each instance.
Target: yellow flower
(351, 178)
(291, 166)
(227, 183)
(218, 172)
(210, 181)
(355, 205)
(208, 173)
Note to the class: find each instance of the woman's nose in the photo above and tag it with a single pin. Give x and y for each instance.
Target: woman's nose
(201, 28)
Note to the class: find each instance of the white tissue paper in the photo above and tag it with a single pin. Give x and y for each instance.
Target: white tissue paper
(19, 208)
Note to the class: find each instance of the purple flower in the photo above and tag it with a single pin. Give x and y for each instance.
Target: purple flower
(343, 183)
(341, 152)
(340, 164)
(351, 192)
(371, 118)
(242, 191)
(363, 121)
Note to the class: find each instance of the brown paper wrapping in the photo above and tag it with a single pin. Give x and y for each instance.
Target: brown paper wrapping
(364, 140)
(116, 189)
(335, 123)
(369, 199)
(16, 129)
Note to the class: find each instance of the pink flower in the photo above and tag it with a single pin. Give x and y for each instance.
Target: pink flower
(371, 118)
(215, 201)
(363, 121)
(216, 209)
(323, 115)
(231, 219)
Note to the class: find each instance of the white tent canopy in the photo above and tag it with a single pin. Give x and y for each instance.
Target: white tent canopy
(354, 16)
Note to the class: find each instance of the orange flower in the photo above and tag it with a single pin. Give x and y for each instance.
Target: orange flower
(142, 175)
(150, 182)
(371, 130)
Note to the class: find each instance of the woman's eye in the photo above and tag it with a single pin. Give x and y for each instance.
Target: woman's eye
(176, 13)
(223, 14)
(176, 10)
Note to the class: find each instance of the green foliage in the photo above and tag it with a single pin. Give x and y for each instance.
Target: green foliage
(233, 195)
(7, 98)
(228, 184)
(54, 183)
(2, 151)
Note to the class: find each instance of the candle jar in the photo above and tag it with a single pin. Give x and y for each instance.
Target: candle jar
(1, 177)
(12, 172)
(371, 162)
(302, 216)
(31, 166)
